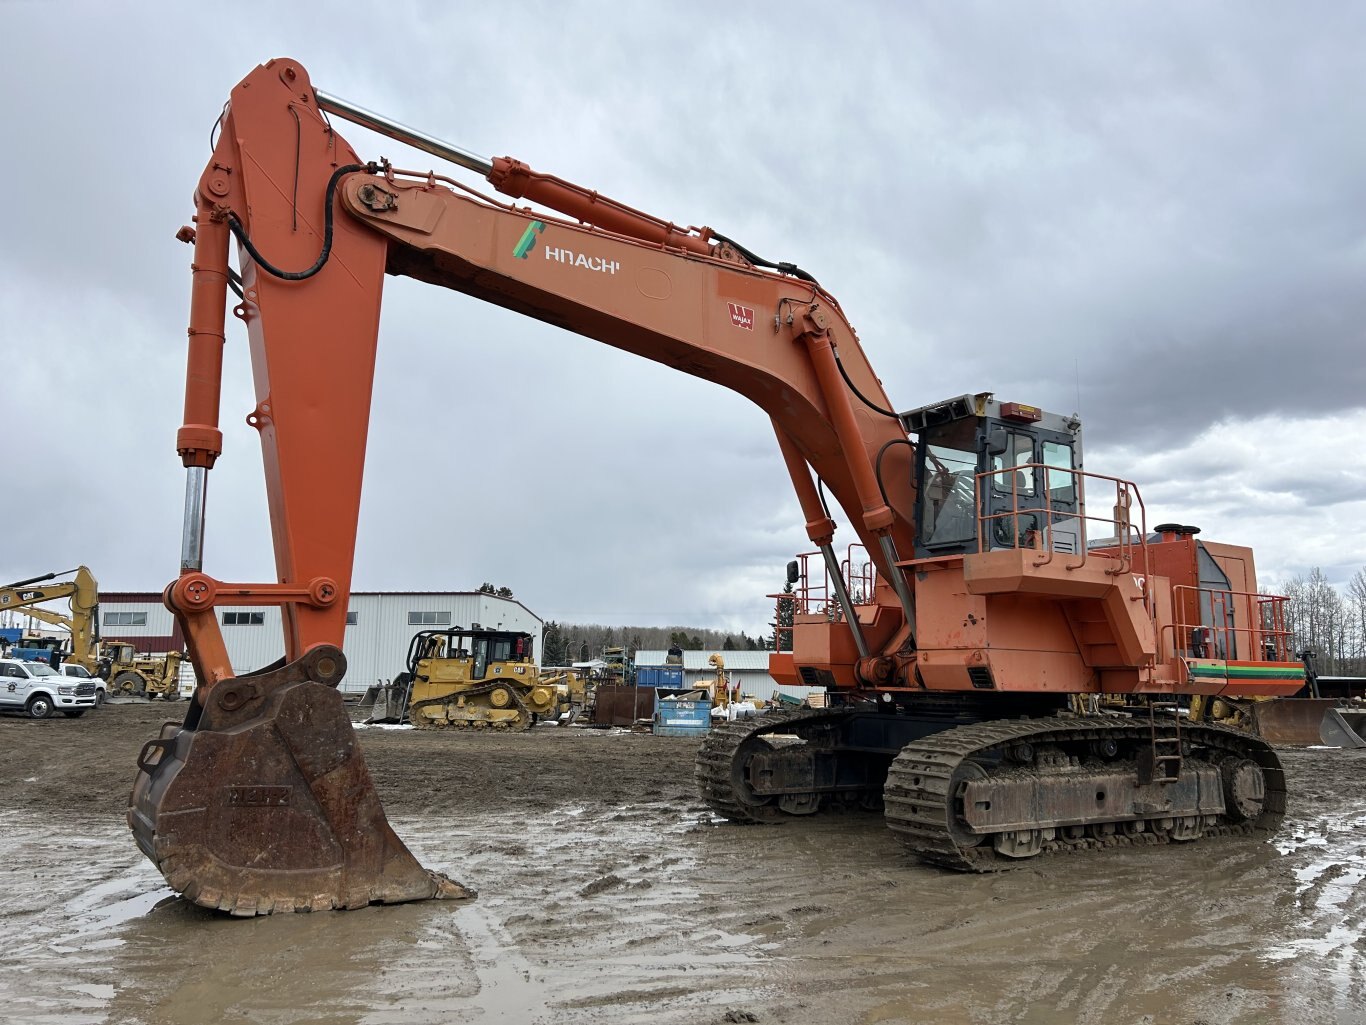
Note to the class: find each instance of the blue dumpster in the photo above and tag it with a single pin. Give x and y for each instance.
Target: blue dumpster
(680, 717)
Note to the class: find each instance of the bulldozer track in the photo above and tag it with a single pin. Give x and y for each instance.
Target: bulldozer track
(919, 799)
(522, 722)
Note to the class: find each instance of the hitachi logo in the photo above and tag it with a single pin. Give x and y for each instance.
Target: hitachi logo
(580, 260)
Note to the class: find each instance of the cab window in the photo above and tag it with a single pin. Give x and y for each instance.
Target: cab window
(947, 499)
(1062, 484)
(1018, 455)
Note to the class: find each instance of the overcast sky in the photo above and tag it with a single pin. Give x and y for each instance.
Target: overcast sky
(1153, 214)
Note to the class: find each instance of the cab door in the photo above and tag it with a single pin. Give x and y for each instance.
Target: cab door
(1032, 498)
(15, 683)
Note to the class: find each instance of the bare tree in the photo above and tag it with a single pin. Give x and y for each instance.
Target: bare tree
(1319, 620)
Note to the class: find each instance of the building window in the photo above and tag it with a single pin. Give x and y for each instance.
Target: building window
(429, 619)
(125, 619)
(352, 618)
(243, 618)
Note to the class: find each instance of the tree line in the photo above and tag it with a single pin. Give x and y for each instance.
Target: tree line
(1330, 622)
(563, 643)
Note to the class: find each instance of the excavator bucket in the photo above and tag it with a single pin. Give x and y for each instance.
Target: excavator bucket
(261, 801)
(1290, 722)
(1343, 728)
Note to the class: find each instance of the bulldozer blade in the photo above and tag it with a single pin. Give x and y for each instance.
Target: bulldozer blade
(1343, 729)
(1290, 722)
(261, 801)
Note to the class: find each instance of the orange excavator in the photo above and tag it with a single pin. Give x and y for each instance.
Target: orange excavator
(1007, 685)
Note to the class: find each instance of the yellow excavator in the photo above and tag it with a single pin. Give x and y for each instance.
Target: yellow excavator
(84, 601)
(118, 662)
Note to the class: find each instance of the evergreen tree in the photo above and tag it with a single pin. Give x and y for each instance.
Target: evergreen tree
(554, 647)
(782, 629)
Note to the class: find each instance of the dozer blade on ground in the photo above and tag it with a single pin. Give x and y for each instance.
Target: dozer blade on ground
(1343, 728)
(390, 704)
(1290, 722)
(261, 802)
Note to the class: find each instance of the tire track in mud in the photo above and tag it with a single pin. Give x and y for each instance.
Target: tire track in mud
(1330, 903)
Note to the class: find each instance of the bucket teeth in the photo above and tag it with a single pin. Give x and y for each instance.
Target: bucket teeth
(261, 803)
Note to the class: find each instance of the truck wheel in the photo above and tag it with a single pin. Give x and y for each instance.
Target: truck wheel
(39, 706)
(99, 699)
(73, 713)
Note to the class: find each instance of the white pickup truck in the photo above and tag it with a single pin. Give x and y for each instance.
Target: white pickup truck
(37, 690)
(78, 673)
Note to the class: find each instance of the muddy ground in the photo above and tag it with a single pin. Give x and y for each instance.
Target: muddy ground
(609, 895)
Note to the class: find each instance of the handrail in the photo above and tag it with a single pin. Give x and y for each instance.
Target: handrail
(1265, 630)
(814, 593)
(1130, 545)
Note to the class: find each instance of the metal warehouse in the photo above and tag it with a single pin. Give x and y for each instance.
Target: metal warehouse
(747, 668)
(379, 626)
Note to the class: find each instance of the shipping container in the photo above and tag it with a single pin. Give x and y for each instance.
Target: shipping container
(659, 676)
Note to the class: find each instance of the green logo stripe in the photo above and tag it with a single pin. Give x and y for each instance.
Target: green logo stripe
(1223, 671)
(528, 239)
(1265, 672)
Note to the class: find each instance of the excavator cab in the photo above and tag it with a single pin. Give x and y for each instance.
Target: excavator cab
(992, 475)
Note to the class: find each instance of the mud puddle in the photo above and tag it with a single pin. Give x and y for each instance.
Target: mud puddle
(609, 895)
(578, 921)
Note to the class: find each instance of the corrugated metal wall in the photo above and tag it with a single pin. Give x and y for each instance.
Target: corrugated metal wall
(376, 646)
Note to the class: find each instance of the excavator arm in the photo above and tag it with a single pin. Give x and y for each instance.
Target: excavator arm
(319, 229)
(261, 800)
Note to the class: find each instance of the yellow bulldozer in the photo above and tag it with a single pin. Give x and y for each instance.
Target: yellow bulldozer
(475, 679)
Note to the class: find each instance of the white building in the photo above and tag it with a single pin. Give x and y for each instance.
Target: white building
(747, 668)
(379, 627)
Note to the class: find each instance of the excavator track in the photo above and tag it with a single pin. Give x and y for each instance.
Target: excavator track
(1055, 775)
(721, 761)
(522, 722)
(927, 783)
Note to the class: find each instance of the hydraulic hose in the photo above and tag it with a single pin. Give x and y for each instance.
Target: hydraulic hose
(299, 275)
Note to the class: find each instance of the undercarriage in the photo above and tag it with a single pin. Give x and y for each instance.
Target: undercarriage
(500, 705)
(981, 795)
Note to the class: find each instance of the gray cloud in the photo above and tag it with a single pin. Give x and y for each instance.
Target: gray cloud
(1152, 213)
